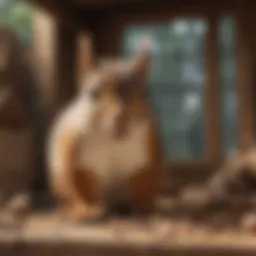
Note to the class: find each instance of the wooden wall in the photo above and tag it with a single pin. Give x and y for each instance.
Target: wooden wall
(44, 56)
(246, 60)
(54, 46)
(56, 53)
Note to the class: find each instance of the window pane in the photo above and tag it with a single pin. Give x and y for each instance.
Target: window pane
(229, 96)
(176, 82)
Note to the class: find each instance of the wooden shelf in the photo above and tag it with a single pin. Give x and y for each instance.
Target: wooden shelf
(46, 234)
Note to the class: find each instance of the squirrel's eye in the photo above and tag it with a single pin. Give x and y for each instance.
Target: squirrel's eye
(95, 94)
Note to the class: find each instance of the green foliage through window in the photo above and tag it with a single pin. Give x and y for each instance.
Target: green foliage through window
(17, 15)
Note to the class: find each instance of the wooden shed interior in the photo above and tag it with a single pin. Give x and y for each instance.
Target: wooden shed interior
(202, 86)
(108, 21)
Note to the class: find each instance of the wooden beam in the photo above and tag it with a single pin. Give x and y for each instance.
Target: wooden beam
(245, 54)
(66, 68)
(106, 2)
(212, 93)
(44, 55)
(154, 5)
(62, 12)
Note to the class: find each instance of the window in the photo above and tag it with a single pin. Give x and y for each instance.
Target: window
(176, 83)
(192, 83)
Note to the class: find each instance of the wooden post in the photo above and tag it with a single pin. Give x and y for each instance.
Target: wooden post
(212, 93)
(44, 57)
(53, 69)
(245, 71)
(54, 61)
(65, 65)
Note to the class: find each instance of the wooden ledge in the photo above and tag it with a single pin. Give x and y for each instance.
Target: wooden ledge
(46, 234)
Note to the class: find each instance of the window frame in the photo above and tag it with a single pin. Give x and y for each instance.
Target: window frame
(213, 157)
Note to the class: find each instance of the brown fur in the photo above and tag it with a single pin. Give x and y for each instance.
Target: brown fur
(80, 192)
(145, 186)
(80, 188)
(76, 189)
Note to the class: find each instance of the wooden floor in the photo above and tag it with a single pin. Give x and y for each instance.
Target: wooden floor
(46, 234)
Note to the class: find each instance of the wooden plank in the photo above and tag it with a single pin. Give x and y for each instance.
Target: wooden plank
(173, 6)
(105, 2)
(44, 56)
(47, 234)
(65, 63)
(62, 12)
(245, 53)
(212, 93)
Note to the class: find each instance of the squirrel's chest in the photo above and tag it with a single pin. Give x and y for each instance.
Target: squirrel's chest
(113, 159)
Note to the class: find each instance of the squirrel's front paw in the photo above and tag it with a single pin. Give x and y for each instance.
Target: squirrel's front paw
(84, 212)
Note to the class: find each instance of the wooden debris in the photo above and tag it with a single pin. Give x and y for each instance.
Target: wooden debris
(236, 177)
(248, 223)
(19, 204)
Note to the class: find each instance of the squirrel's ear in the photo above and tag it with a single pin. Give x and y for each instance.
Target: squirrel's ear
(85, 56)
(141, 61)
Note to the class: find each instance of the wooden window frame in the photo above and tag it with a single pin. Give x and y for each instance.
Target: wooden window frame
(108, 38)
(107, 25)
(245, 52)
(212, 118)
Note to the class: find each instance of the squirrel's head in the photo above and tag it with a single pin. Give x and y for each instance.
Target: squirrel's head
(115, 89)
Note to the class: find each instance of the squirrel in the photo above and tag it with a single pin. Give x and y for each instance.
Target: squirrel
(105, 146)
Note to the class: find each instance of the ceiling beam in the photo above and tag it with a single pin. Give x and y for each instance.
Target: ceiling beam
(105, 2)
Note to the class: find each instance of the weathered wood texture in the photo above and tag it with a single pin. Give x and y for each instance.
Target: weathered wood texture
(16, 117)
(106, 22)
(246, 59)
(44, 57)
(44, 235)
